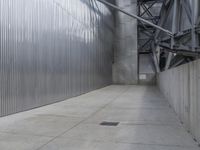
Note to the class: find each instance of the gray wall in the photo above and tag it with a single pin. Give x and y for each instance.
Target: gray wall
(147, 73)
(125, 67)
(51, 50)
(181, 86)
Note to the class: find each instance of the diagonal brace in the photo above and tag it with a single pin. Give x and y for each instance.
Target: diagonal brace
(135, 16)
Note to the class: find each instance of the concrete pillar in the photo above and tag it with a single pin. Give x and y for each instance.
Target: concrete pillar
(125, 67)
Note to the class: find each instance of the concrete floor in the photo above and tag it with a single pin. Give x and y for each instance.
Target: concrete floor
(146, 123)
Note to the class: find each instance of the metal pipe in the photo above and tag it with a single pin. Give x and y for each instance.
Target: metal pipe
(136, 17)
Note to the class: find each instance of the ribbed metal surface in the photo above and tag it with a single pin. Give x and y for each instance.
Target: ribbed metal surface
(51, 50)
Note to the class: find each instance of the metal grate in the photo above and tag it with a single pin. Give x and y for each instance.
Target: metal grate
(105, 123)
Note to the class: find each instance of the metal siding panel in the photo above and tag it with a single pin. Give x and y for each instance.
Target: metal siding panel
(52, 50)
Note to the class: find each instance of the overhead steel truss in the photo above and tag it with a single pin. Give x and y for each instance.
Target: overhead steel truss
(136, 17)
(149, 10)
(182, 17)
(168, 29)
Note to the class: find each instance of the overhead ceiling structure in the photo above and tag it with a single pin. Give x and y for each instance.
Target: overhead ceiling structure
(109, 4)
(182, 18)
(168, 30)
(149, 10)
(179, 17)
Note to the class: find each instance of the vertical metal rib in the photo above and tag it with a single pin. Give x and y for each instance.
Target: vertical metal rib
(51, 50)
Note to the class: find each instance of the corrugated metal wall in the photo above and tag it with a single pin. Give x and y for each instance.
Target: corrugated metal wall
(51, 50)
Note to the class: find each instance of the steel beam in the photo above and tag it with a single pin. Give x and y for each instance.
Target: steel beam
(155, 58)
(174, 28)
(135, 16)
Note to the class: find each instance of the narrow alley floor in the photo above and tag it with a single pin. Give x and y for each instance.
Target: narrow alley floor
(133, 117)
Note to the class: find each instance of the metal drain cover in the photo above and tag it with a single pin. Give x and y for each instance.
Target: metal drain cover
(105, 123)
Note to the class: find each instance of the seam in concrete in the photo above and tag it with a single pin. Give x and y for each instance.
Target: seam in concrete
(119, 95)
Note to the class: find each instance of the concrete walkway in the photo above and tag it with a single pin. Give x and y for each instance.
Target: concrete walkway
(146, 122)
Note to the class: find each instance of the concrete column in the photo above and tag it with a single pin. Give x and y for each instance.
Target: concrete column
(125, 67)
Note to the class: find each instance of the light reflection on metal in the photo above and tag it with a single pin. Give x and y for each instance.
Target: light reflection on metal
(51, 50)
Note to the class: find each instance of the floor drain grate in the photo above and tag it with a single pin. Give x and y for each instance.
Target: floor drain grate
(105, 123)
